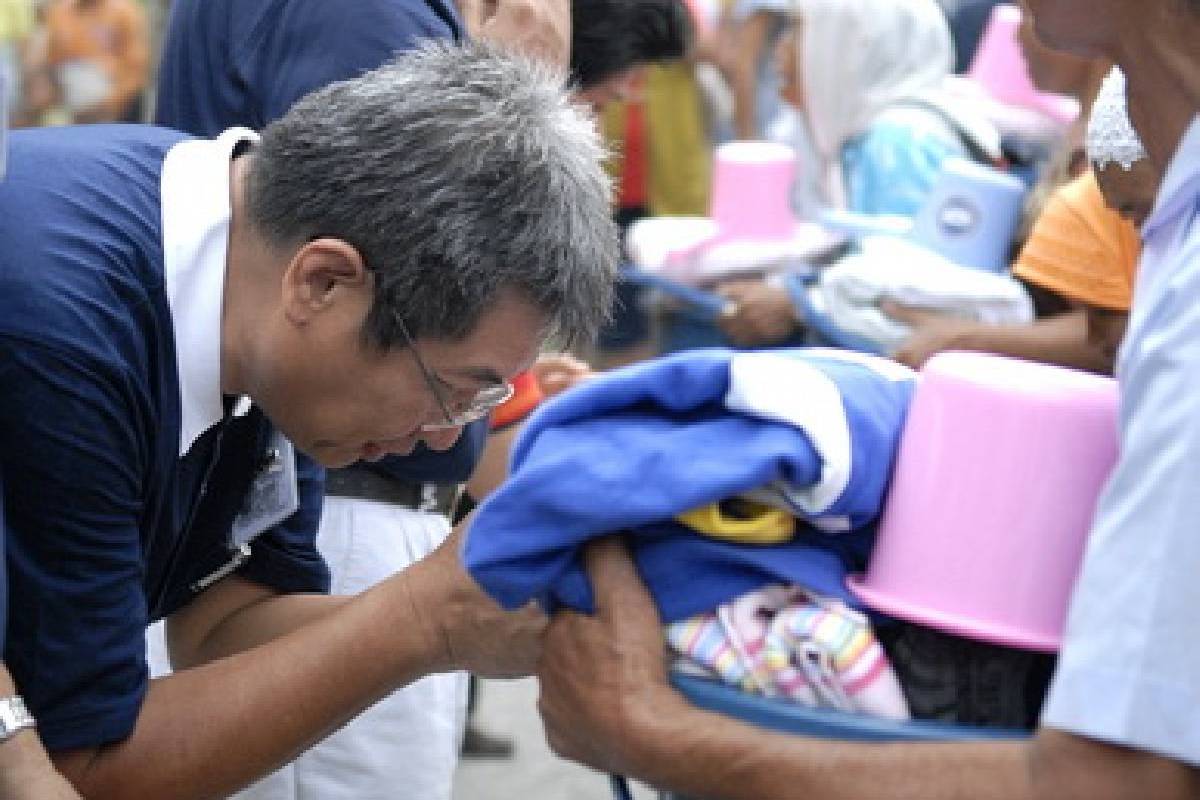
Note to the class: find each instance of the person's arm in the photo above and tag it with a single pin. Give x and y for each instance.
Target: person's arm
(132, 61)
(492, 468)
(26, 772)
(1061, 339)
(237, 712)
(539, 28)
(52, 31)
(232, 714)
(750, 38)
(553, 373)
(606, 702)
(1069, 767)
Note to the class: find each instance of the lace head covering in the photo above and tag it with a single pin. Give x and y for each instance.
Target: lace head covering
(1111, 138)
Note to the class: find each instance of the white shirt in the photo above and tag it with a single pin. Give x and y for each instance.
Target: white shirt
(196, 215)
(1129, 673)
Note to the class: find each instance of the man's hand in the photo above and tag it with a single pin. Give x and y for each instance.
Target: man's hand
(603, 677)
(1105, 330)
(557, 372)
(931, 334)
(538, 28)
(757, 314)
(468, 627)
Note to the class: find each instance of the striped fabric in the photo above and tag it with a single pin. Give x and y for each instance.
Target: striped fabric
(703, 639)
(786, 642)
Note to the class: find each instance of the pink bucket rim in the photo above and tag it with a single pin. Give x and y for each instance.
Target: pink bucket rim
(969, 627)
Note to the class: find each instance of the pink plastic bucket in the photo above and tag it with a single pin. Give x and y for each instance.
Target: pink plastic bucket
(999, 67)
(1000, 466)
(751, 191)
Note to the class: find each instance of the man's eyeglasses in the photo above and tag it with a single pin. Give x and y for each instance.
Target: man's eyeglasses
(479, 406)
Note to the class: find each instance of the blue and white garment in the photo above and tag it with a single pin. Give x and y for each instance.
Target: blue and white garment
(1131, 634)
(814, 430)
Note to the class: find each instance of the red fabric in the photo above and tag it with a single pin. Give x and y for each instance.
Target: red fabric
(633, 189)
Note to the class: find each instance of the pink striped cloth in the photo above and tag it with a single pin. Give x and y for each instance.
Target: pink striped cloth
(783, 641)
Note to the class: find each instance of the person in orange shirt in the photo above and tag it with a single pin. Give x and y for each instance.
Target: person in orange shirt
(98, 52)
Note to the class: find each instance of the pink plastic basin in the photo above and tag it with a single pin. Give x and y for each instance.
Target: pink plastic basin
(751, 191)
(999, 66)
(1000, 467)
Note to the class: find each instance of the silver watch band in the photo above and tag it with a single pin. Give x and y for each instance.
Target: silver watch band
(14, 717)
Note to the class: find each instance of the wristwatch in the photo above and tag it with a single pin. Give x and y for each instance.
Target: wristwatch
(14, 717)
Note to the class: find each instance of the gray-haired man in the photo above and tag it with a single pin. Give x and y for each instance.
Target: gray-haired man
(365, 276)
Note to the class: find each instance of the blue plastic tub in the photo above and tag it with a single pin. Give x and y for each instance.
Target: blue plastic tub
(788, 717)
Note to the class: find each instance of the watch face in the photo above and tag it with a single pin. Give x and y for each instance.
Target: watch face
(14, 716)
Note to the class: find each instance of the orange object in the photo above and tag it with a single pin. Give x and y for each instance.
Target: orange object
(633, 190)
(527, 396)
(1082, 249)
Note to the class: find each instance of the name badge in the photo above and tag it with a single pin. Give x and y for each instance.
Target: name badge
(274, 494)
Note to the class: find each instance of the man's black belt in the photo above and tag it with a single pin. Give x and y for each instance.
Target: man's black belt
(362, 483)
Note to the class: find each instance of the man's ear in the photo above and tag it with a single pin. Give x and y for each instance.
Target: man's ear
(320, 273)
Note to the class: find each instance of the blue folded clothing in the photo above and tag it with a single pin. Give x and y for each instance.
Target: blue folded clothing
(814, 431)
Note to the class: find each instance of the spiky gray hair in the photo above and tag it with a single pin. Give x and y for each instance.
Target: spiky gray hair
(459, 172)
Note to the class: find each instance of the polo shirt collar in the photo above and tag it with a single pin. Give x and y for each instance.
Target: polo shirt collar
(196, 216)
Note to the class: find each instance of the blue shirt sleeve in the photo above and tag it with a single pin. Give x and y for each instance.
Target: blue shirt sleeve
(3, 576)
(1131, 634)
(74, 459)
(891, 168)
(307, 45)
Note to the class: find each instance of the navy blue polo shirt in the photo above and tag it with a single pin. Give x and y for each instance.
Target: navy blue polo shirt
(245, 62)
(108, 527)
(3, 578)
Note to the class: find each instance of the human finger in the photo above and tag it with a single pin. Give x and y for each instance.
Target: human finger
(909, 315)
(615, 579)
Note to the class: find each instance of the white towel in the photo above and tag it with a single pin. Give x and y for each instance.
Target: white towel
(890, 268)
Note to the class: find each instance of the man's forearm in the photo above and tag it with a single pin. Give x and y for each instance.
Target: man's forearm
(711, 756)
(26, 772)
(1061, 340)
(706, 755)
(492, 468)
(206, 731)
(237, 615)
(606, 702)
